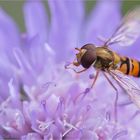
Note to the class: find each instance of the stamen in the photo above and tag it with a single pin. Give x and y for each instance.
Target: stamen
(11, 88)
(119, 134)
(47, 84)
(125, 103)
(135, 114)
(108, 116)
(4, 105)
(60, 104)
(22, 61)
(61, 99)
(43, 102)
(66, 132)
(44, 125)
(87, 90)
(70, 128)
(88, 108)
(82, 95)
(69, 125)
(19, 120)
(91, 76)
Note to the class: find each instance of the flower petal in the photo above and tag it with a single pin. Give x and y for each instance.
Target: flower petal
(37, 56)
(103, 20)
(36, 19)
(66, 19)
(9, 35)
(8, 31)
(31, 136)
(9, 39)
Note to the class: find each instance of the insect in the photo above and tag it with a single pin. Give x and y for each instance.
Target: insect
(111, 64)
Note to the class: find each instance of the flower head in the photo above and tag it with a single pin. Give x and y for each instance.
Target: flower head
(39, 98)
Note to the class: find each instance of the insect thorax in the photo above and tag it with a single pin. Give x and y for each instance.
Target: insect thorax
(104, 60)
(102, 64)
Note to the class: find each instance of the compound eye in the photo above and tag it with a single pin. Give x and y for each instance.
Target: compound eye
(88, 58)
(88, 47)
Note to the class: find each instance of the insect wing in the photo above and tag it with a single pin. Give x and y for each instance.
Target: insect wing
(128, 31)
(128, 85)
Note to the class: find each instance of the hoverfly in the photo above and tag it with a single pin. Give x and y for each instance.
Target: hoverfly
(112, 64)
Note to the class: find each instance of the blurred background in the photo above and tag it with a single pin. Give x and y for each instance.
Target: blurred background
(14, 8)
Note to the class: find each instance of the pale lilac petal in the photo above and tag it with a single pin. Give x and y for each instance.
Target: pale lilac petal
(42, 100)
(36, 19)
(89, 135)
(7, 71)
(9, 39)
(64, 35)
(31, 136)
(1, 138)
(37, 56)
(9, 34)
(103, 21)
(24, 66)
(16, 121)
(8, 27)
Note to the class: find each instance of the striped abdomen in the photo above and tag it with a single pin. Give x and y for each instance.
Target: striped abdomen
(129, 66)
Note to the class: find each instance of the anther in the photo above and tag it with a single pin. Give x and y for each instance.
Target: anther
(119, 134)
(44, 125)
(87, 90)
(91, 76)
(47, 84)
(108, 116)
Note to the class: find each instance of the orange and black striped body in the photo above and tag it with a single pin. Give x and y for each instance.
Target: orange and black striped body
(104, 59)
(129, 66)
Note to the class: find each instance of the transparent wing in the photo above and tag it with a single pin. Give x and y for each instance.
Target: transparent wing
(131, 88)
(128, 31)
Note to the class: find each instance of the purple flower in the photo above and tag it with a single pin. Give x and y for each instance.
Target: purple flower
(39, 98)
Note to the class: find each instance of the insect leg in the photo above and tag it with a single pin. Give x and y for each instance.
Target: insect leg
(79, 71)
(88, 89)
(74, 63)
(76, 70)
(116, 98)
(96, 76)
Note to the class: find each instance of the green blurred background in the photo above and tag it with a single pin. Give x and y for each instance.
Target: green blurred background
(14, 8)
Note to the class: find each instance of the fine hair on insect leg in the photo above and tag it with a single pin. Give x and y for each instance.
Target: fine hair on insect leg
(116, 97)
